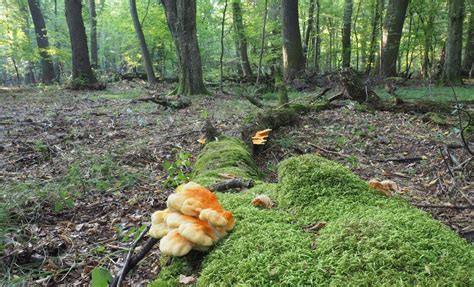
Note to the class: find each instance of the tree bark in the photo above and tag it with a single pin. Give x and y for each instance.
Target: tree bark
(221, 58)
(392, 34)
(241, 38)
(82, 74)
(93, 33)
(147, 63)
(293, 59)
(346, 34)
(181, 18)
(452, 65)
(42, 41)
(317, 40)
(468, 64)
(376, 22)
(262, 44)
(308, 29)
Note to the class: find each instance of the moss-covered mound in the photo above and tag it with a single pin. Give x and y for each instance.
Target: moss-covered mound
(369, 239)
(227, 156)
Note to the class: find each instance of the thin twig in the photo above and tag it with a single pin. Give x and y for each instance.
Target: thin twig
(124, 271)
(444, 206)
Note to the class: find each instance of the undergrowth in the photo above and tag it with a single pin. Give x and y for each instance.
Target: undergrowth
(22, 201)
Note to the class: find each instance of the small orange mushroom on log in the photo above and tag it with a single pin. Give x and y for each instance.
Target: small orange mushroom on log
(260, 137)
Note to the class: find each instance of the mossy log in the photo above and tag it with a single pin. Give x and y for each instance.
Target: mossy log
(368, 238)
(279, 117)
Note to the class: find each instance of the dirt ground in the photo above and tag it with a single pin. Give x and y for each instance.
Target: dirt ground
(43, 132)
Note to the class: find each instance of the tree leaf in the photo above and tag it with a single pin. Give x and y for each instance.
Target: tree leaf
(101, 277)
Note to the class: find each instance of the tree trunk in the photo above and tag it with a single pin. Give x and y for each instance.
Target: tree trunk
(469, 49)
(262, 44)
(293, 59)
(376, 21)
(241, 38)
(317, 40)
(82, 75)
(181, 18)
(452, 65)
(93, 33)
(346, 34)
(309, 29)
(147, 63)
(392, 34)
(47, 67)
(221, 58)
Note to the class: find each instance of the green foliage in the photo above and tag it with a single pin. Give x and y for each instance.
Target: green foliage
(178, 170)
(101, 277)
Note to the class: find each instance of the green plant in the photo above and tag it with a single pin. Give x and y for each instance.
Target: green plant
(340, 141)
(177, 171)
(285, 142)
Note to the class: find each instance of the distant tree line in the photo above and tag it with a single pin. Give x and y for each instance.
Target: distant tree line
(192, 40)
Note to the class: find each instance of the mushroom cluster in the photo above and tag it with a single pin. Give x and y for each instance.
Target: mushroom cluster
(194, 219)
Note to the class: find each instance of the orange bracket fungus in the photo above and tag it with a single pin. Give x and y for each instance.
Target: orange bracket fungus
(194, 219)
(260, 137)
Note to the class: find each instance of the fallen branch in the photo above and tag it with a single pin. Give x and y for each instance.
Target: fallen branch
(233, 183)
(174, 104)
(404, 159)
(329, 151)
(444, 206)
(132, 261)
(254, 101)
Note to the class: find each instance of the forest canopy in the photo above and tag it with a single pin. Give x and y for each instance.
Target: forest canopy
(333, 34)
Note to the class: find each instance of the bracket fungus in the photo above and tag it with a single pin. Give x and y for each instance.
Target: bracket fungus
(194, 219)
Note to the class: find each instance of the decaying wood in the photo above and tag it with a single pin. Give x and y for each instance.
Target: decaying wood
(403, 159)
(169, 103)
(234, 183)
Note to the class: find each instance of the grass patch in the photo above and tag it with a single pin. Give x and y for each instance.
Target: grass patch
(437, 94)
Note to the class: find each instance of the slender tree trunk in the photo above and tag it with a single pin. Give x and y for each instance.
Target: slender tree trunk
(262, 45)
(147, 63)
(392, 34)
(42, 41)
(452, 65)
(308, 29)
(293, 59)
(346, 34)
(468, 64)
(181, 18)
(317, 44)
(82, 74)
(221, 59)
(93, 33)
(241, 38)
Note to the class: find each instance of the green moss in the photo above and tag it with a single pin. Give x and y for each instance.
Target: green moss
(369, 239)
(305, 178)
(227, 155)
(169, 273)
(393, 247)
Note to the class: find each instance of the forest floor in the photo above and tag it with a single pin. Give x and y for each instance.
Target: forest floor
(81, 172)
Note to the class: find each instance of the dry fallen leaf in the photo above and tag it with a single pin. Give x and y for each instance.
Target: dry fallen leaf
(186, 279)
(385, 187)
(262, 200)
(202, 140)
(260, 137)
